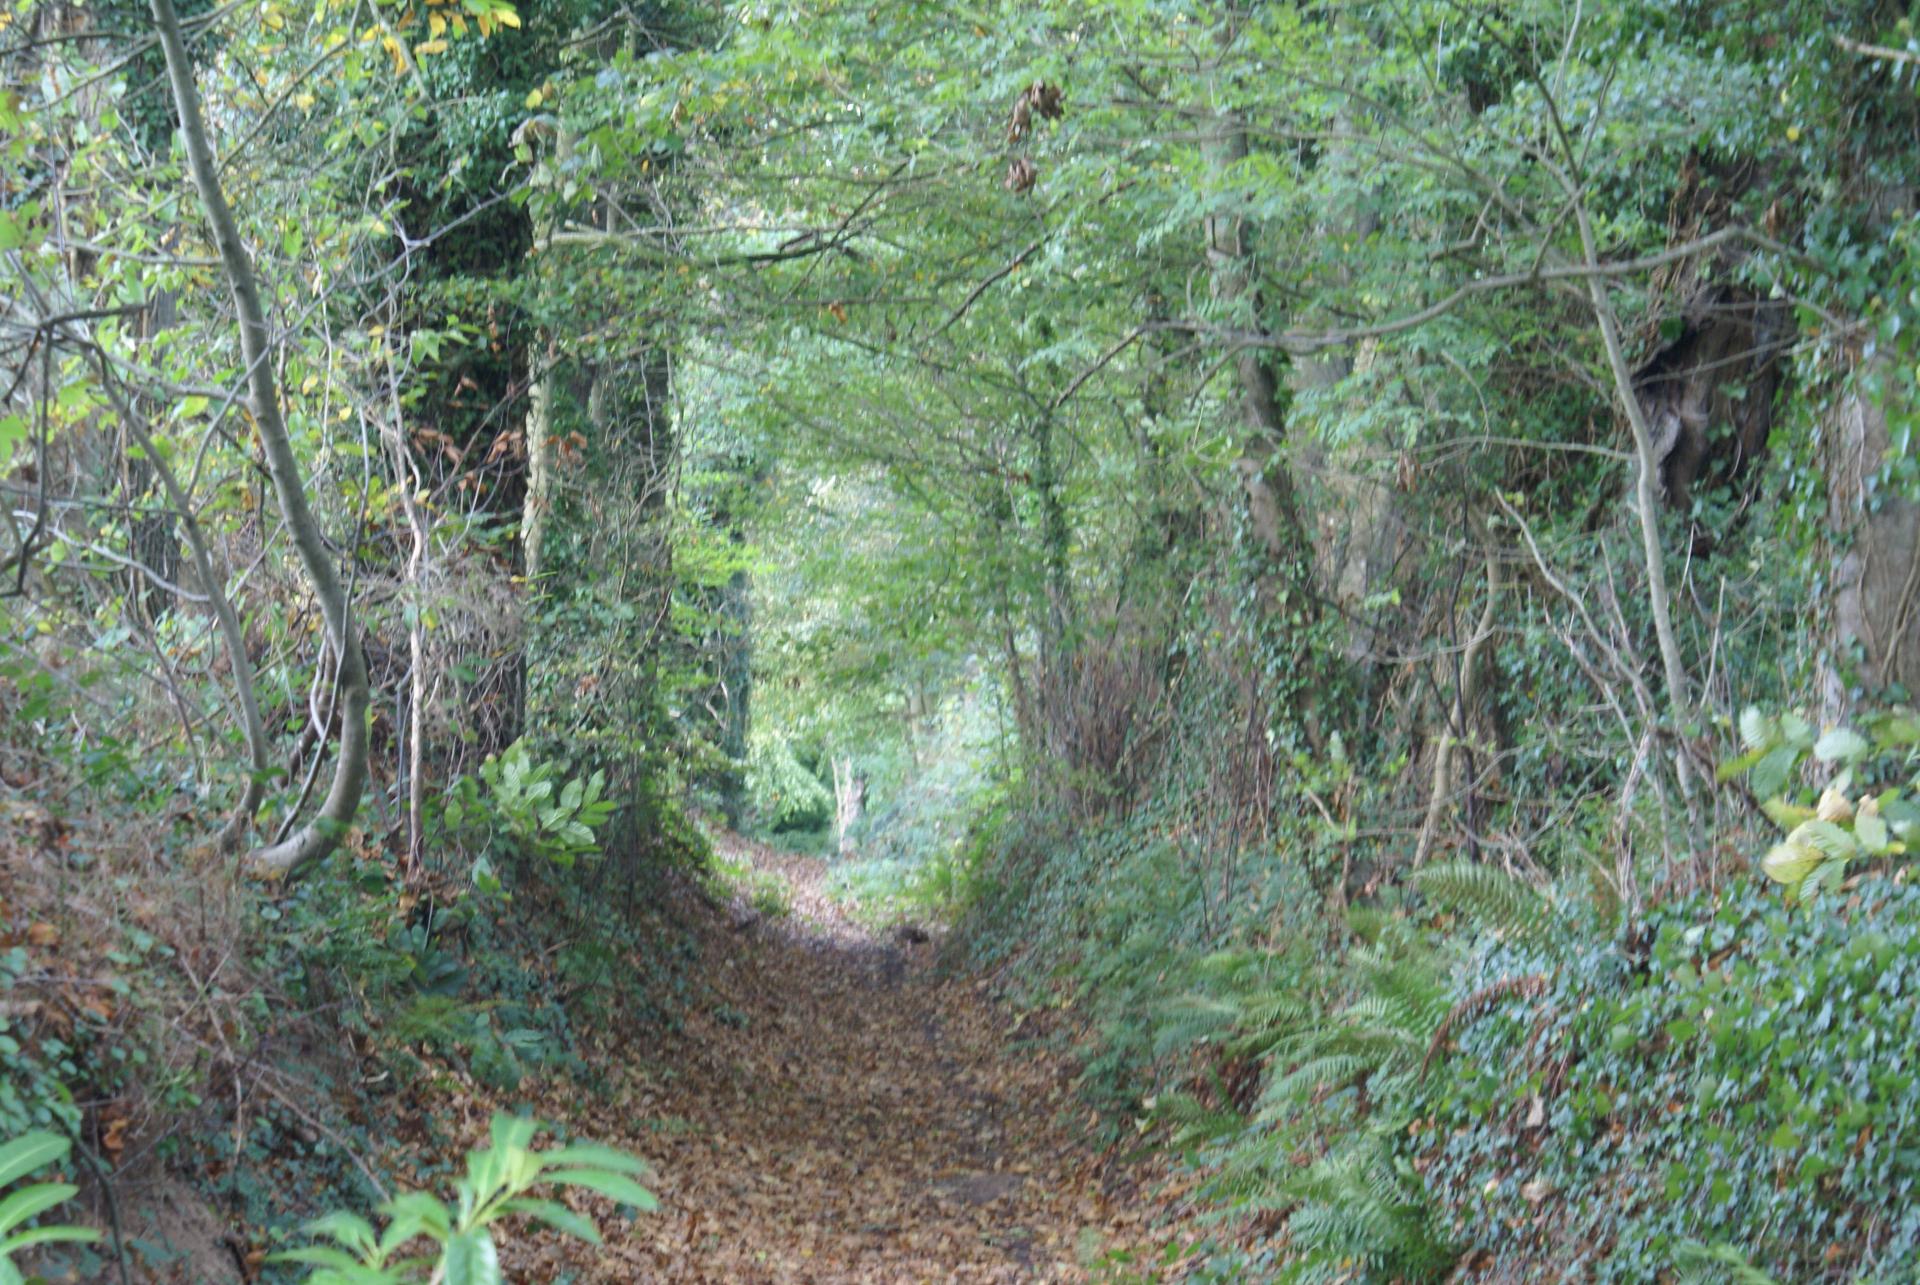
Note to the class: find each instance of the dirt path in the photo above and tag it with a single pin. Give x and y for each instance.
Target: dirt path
(838, 1114)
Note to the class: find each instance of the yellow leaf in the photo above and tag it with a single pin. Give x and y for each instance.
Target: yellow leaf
(436, 25)
(430, 47)
(1790, 862)
(506, 17)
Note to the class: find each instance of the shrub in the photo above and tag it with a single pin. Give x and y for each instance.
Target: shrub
(1745, 1086)
(495, 1186)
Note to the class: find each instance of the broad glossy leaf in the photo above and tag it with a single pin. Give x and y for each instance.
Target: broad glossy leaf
(592, 1155)
(471, 1258)
(556, 1215)
(30, 1151)
(62, 1235)
(31, 1202)
(616, 1185)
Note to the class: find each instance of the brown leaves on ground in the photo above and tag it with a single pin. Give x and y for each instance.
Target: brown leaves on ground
(838, 1113)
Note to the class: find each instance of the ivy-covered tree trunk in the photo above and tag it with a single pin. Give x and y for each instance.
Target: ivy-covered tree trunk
(1272, 505)
(1875, 588)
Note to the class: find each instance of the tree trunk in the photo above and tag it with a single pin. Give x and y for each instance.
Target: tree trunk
(1875, 594)
(407, 478)
(849, 800)
(1646, 480)
(322, 834)
(1272, 507)
(539, 497)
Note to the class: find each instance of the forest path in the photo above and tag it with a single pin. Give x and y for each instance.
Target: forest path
(840, 1113)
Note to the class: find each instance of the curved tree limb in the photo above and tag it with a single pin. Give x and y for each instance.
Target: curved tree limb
(314, 840)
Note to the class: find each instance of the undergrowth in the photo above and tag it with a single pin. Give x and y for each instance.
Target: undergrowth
(292, 1047)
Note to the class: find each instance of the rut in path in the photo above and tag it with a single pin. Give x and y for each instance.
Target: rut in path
(841, 1114)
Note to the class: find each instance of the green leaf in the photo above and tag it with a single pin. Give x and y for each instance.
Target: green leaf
(1871, 831)
(1744, 763)
(595, 1156)
(618, 1186)
(30, 1151)
(1840, 744)
(351, 1230)
(31, 1202)
(317, 1256)
(1827, 837)
(61, 1235)
(471, 1258)
(13, 431)
(1790, 862)
(1771, 772)
(1786, 815)
(556, 1215)
(423, 1211)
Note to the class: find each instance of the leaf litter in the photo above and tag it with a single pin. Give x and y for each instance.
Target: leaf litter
(842, 1111)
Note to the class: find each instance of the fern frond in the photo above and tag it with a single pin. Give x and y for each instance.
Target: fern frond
(1492, 898)
(1716, 1264)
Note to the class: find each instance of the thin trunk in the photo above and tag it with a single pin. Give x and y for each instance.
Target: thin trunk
(408, 478)
(1455, 730)
(539, 497)
(322, 834)
(847, 791)
(1659, 599)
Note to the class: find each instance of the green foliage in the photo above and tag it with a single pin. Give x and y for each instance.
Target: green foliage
(1867, 808)
(498, 1184)
(783, 793)
(1344, 1046)
(529, 802)
(34, 1069)
(1744, 1078)
(1493, 901)
(21, 1206)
